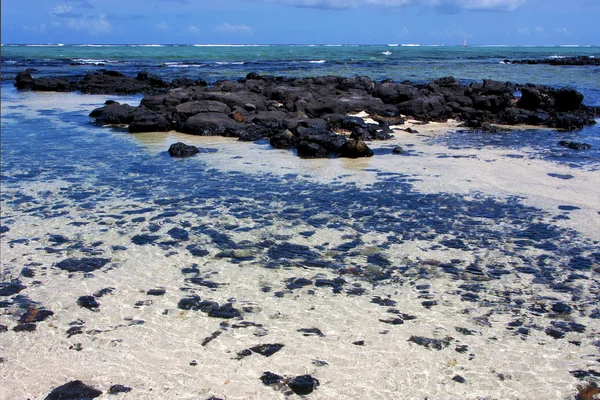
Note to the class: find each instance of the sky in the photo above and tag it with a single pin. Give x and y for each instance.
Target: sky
(445, 22)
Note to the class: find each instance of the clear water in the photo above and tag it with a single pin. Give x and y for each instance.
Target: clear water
(105, 191)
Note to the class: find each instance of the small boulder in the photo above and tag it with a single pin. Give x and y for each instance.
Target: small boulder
(74, 390)
(355, 149)
(180, 149)
(284, 140)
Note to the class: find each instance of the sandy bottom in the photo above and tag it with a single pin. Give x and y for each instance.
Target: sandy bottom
(471, 350)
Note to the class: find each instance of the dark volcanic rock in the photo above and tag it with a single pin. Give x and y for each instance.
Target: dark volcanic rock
(355, 149)
(148, 121)
(116, 389)
(308, 149)
(577, 60)
(436, 344)
(575, 145)
(26, 327)
(34, 314)
(113, 113)
(144, 239)
(82, 265)
(284, 140)
(180, 149)
(10, 288)
(74, 390)
(266, 350)
(212, 308)
(269, 378)
(88, 302)
(303, 384)
(212, 124)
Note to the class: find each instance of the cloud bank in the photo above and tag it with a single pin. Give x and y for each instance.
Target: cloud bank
(478, 5)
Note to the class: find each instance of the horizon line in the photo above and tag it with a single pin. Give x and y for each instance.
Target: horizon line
(296, 44)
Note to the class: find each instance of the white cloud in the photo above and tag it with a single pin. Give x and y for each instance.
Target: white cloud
(524, 31)
(403, 32)
(539, 29)
(226, 27)
(561, 31)
(162, 26)
(95, 25)
(192, 30)
(477, 5)
(41, 28)
(483, 5)
(61, 10)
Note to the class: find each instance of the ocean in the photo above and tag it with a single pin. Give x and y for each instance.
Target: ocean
(467, 267)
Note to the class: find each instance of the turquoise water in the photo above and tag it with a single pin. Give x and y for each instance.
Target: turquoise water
(398, 63)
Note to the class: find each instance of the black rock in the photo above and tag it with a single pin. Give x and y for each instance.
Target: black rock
(83, 264)
(436, 344)
(297, 283)
(74, 330)
(144, 239)
(269, 378)
(267, 350)
(179, 234)
(88, 302)
(3, 328)
(74, 390)
(555, 333)
(393, 321)
(575, 145)
(459, 379)
(27, 272)
(212, 308)
(10, 288)
(303, 384)
(28, 327)
(180, 149)
(156, 292)
(383, 302)
(34, 314)
(355, 149)
(196, 250)
(311, 332)
(116, 389)
(397, 150)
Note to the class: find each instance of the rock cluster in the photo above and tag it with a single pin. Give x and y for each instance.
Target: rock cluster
(577, 60)
(100, 82)
(311, 114)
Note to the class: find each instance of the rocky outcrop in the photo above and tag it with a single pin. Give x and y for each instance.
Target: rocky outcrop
(101, 82)
(311, 114)
(578, 60)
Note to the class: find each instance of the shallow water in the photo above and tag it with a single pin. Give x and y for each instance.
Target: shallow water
(486, 244)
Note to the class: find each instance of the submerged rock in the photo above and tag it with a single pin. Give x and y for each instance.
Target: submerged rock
(74, 390)
(116, 389)
(10, 288)
(435, 344)
(88, 302)
(180, 149)
(82, 264)
(266, 350)
(575, 145)
(303, 384)
(212, 308)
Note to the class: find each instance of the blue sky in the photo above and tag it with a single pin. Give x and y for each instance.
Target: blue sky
(516, 22)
